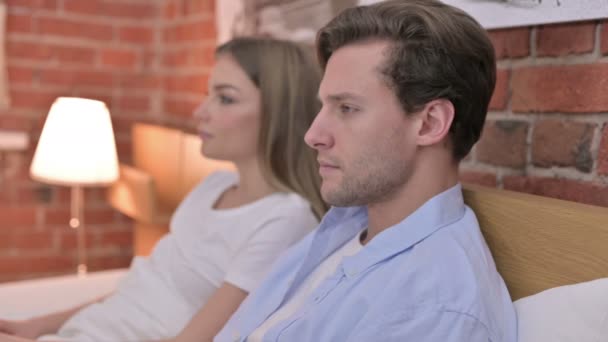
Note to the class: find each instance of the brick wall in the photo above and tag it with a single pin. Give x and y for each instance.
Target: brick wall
(188, 38)
(146, 59)
(547, 130)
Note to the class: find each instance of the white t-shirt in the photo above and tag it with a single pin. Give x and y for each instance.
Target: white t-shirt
(204, 248)
(324, 270)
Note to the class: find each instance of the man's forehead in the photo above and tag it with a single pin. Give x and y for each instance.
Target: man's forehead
(367, 53)
(352, 68)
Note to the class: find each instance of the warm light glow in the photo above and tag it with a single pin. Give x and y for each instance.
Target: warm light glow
(76, 145)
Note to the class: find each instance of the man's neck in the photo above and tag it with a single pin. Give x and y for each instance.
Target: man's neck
(424, 184)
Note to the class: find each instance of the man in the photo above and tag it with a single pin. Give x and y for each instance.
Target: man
(400, 257)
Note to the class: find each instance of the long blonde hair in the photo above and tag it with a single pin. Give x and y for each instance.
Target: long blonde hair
(288, 80)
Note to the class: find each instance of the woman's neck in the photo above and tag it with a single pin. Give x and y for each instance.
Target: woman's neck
(252, 186)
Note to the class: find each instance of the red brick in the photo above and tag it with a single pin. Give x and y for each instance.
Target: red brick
(116, 239)
(171, 9)
(32, 4)
(92, 216)
(15, 122)
(109, 262)
(121, 9)
(92, 196)
(76, 78)
(124, 150)
(136, 34)
(480, 178)
(604, 37)
(176, 59)
(13, 216)
(119, 58)
(511, 43)
(565, 39)
(180, 108)
(565, 88)
(567, 189)
(57, 216)
(602, 165)
(122, 125)
(16, 166)
(20, 75)
(562, 143)
(68, 238)
(29, 264)
(195, 31)
(26, 50)
(74, 55)
(18, 23)
(192, 83)
(34, 99)
(500, 97)
(503, 143)
(44, 52)
(131, 81)
(103, 94)
(105, 215)
(198, 6)
(33, 241)
(130, 103)
(74, 29)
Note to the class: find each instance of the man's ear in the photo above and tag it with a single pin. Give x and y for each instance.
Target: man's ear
(436, 117)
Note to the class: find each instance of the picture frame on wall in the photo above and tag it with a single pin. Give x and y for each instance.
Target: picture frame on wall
(299, 20)
(494, 14)
(296, 20)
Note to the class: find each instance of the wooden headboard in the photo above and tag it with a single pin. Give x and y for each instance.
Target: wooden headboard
(540, 242)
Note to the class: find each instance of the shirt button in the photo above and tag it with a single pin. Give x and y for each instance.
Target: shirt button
(236, 336)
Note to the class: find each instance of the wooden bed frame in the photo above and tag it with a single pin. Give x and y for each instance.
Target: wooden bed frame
(537, 242)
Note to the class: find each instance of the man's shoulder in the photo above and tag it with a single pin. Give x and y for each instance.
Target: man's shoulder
(452, 270)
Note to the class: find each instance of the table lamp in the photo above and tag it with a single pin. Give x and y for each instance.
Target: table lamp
(76, 149)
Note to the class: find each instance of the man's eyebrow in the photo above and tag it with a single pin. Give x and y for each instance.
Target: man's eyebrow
(222, 86)
(341, 97)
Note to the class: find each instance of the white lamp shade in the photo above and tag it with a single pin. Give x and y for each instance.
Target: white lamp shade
(77, 145)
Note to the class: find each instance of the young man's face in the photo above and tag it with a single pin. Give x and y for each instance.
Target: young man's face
(365, 141)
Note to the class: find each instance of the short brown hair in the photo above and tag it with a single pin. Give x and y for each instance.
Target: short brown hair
(288, 79)
(437, 51)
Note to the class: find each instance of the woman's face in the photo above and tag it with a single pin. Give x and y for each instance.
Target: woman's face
(229, 118)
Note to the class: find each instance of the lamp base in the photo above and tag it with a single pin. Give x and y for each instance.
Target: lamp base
(82, 270)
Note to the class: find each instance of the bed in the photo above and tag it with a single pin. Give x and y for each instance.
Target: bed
(538, 243)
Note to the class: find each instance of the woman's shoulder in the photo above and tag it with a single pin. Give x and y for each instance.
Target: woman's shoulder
(289, 206)
(218, 179)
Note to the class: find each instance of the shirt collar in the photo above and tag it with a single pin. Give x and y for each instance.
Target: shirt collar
(440, 211)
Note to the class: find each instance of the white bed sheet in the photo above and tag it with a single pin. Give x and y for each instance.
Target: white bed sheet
(23, 299)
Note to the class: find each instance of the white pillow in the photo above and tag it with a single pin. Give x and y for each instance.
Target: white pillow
(573, 313)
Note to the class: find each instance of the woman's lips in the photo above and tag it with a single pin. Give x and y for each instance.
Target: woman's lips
(205, 135)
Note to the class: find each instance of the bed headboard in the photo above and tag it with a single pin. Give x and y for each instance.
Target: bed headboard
(540, 242)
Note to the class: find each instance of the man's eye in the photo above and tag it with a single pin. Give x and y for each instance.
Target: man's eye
(225, 99)
(346, 109)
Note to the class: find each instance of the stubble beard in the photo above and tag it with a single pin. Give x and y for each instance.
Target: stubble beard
(370, 182)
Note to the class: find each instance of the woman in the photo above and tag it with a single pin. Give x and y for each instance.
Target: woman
(230, 228)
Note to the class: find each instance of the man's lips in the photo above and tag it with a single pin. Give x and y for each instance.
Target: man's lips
(327, 166)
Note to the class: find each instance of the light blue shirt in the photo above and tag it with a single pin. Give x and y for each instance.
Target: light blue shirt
(429, 278)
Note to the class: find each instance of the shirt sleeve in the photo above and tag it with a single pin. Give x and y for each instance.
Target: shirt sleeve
(255, 258)
(425, 326)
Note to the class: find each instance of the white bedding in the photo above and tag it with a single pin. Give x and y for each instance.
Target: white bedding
(23, 299)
